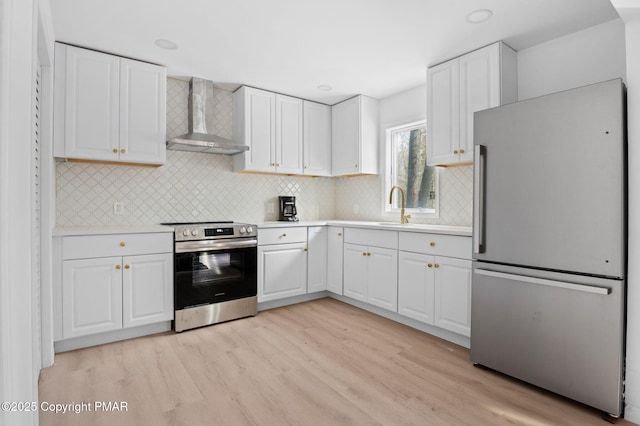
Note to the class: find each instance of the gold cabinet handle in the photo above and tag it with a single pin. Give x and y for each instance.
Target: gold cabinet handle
(115, 150)
(127, 266)
(306, 167)
(364, 254)
(429, 265)
(436, 266)
(123, 151)
(356, 166)
(305, 249)
(284, 235)
(432, 244)
(339, 234)
(462, 151)
(118, 267)
(368, 254)
(455, 151)
(122, 244)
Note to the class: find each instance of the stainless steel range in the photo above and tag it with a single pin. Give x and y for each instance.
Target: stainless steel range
(215, 273)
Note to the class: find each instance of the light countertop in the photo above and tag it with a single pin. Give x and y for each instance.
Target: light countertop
(389, 226)
(106, 230)
(464, 231)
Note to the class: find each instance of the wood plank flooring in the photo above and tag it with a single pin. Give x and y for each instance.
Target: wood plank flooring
(316, 363)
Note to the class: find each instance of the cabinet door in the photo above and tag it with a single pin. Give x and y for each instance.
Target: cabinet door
(317, 259)
(91, 107)
(479, 89)
(382, 271)
(345, 140)
(443, 112)
(416, 286)
(453, 294)
(142, 112)
(317, 139)
(334, 260)
(260, 130)
(289, 157)
(282, 271)
(91, 296)
(355, 271)
(147, 289)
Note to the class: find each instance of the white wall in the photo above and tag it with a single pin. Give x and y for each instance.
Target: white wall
(630, 12)
(585, 57)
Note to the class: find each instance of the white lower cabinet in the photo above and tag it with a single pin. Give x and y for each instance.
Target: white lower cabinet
(109, 282)
(334, 259)
(92, 296)
(432, 288)
(147, 289)
(416, 286)
(453, 295)
(370, 272)
(282, 262)
(317, 237)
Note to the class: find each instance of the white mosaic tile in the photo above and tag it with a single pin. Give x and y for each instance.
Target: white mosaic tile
(200, 187)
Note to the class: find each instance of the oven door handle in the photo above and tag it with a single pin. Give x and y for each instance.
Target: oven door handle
(207, 245)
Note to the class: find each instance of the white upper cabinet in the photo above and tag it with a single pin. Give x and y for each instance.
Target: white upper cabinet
(143, 99)
(456, 89)
(354, 141)
(317, 139)
(108, 108)
(288, 147)
(254, 124)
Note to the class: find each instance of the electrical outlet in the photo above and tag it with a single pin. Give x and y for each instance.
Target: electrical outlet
(356, 209)
(118, 207)
(270, 208)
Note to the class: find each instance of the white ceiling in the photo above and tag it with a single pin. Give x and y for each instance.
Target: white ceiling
(371, 47)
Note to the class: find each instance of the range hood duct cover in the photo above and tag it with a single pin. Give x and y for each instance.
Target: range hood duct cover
(201, 122)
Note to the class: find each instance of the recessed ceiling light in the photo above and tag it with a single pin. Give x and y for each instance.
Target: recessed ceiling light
(166, 44)
(478, 16)
(325, 87)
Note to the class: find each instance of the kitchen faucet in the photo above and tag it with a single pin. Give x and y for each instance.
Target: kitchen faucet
(403, 217)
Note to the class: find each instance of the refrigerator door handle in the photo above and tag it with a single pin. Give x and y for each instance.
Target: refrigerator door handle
(478, 198)
(549, 283)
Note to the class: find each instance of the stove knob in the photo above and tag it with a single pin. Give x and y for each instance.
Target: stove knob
(185, 232)
(194, 232)
(250, 230)
(243, 230)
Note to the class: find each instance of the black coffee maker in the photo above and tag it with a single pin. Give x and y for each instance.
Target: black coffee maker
(288, 210)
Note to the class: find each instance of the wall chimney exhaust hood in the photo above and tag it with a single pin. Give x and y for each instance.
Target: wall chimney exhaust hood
(201, 123)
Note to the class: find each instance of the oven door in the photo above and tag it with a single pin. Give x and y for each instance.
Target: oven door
(209, 272)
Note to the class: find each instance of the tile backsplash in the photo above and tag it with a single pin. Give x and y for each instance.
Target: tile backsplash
(199, 187)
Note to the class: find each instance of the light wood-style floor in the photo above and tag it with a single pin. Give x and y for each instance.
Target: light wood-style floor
(316, 363)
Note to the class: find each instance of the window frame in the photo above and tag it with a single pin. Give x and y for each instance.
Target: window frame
(388, 211)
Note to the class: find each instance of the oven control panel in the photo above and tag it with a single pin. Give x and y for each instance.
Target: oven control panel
(212, 231)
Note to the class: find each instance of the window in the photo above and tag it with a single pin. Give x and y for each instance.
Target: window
(407, 168)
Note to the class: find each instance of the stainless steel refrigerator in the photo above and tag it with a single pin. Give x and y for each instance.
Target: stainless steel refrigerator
(549, 236)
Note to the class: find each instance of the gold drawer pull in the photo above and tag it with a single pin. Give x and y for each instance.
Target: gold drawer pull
(339, 234)
(115, 150)
(305, 249)
(127, 266)
(432, 244)
(122, 244)
(284, 235)
(436, 266)
(455, 151)
(429, 265)
(123, 151)
(368, 254)
(118, 267)
(462, 151)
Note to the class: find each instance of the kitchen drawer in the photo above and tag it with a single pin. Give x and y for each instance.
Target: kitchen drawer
(436, 244)
(371, 237)
(283, 235)
(91, 246)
